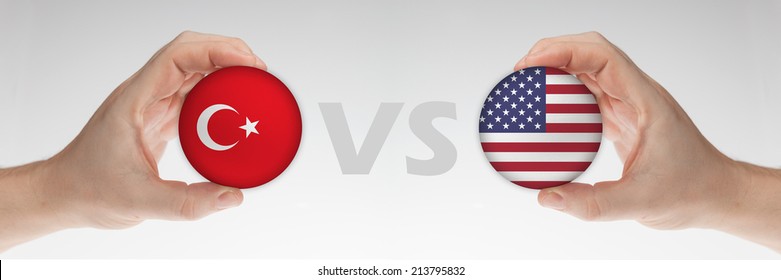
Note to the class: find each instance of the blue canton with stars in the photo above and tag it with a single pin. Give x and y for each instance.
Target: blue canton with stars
(516, 104)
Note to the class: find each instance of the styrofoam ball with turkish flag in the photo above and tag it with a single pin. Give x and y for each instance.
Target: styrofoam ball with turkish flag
(240, 127)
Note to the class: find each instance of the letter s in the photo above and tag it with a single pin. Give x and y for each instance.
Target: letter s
(445, 153)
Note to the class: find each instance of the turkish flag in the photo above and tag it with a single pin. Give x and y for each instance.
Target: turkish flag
(240, 127)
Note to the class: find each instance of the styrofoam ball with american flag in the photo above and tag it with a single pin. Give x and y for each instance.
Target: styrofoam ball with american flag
(540, 127)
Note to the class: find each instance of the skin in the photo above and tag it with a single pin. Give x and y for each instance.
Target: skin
(107, 177)
(701, 188)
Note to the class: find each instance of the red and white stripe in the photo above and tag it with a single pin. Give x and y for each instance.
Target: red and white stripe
(564, 151)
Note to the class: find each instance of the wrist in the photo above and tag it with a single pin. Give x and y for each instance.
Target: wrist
(30, 209)
(54, 188)
(752, 210)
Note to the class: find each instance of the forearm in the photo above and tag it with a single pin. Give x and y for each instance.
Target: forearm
(755, 212)
(27, 210)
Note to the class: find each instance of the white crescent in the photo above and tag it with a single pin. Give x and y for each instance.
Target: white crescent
(203, 127)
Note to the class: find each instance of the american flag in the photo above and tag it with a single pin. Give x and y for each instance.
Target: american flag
(540, 127)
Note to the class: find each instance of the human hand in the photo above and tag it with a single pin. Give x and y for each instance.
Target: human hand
(673, 177)
(107, 176)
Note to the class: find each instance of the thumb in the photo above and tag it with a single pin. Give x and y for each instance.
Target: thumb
(180, 201)
(603, 202)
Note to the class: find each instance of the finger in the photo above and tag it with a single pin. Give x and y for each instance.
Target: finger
(587, 37)
(617, 76)
(158, 149)
(166, 126)
(203, 57)
(179, 201)
(189, 36)
(189, 83)
(164, 75)
(582, 37)
(192, 36)
(604, 202)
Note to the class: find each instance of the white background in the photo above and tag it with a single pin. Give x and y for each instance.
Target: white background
(59, 60)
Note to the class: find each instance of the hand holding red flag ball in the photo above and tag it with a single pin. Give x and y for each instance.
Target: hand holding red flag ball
(240, 127)
(540, 127)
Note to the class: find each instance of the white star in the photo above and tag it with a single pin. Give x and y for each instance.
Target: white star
(522, 71)
(529, 78)
(529, 119)
(249, 127)
(537, 126)
(498, 119)
(498, 105)
(490, 99)
(522, 98)
(505, 98)
(530, 105)
(537, 112)
(513, 91)
(536, 99)
(506, 85)
(522, 126)
(513, 78)
(498, 91)
(537, 85)
(505, 112)
(482, 119)
(522, 112)
(529, 92)
(513, 105)
(537, 71)
(490, 126)
(505, 125)
(522, 85)
(490, 112)
(513, 119)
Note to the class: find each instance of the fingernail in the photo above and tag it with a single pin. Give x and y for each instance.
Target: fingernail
(531, 55)
(228, 199)
(553, 200)
(260, 63)
(520, 63)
